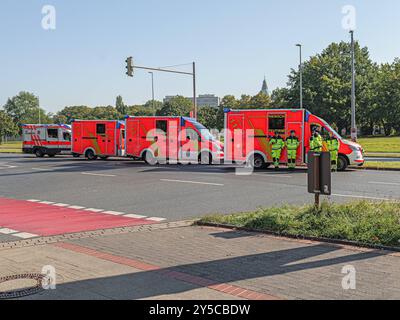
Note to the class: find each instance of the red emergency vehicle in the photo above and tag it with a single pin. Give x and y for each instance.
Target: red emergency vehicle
(98, 138)
(42, 139)
(248, 133)
(172, 139)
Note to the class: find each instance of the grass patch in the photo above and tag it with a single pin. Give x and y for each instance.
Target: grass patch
(366, 222)
(382, 165)
(383, 155)
(11, 147)
(383, 145)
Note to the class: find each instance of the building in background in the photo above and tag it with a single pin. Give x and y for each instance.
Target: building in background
(203, 100)
(264, 88)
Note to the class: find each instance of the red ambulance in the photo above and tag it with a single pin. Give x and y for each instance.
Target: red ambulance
(248, 132)
(172, 140)
(46, 139)
(98, 138)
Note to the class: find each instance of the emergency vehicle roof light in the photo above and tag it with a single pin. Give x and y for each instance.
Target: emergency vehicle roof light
(226, 110)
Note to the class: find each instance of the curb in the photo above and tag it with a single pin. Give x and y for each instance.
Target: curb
(290, 236)
(378, 169)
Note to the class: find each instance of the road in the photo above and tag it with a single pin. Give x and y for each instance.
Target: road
(174, 192)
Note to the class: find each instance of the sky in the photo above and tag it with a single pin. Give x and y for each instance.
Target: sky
(234, 44)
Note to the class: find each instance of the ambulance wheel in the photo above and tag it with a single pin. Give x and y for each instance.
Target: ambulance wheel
(39, 153)
(149, 158)
(90, 155)
(205, 158)
(342, 163)
(257, 162)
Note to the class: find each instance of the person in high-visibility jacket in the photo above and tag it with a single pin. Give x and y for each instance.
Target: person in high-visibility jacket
(292, 144)
(277, 144)
(316, 142)
(333, 145)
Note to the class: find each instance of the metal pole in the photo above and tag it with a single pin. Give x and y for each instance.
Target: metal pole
(301, 75)
(353, 90)
(194, 92)
(152, 91)
(39, 115)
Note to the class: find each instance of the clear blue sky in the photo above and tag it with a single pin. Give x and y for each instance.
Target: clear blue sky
(233, 42)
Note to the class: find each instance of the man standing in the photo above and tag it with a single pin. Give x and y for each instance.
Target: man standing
(277, 144)
(316, 142)
(333, 145)
(292, 144)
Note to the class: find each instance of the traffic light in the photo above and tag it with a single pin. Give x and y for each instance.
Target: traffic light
(129, 67)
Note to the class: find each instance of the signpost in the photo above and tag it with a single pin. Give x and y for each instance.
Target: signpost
(319, 175)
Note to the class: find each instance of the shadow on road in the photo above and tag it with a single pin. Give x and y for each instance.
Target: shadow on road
(165, 281)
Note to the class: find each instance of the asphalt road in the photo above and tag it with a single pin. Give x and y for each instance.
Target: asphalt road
(175, 192)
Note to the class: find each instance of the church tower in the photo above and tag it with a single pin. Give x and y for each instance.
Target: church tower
(264, 88)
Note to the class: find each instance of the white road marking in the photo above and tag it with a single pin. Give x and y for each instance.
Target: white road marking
(61, 205)
(114, 213)
(33, 200)
(362, 197)
(98, 174)
(6, 166)
(76, 207)
(46, 202)
(156, 219)
(43, 169)
(385, 183)
(94, 210)
(7, 231)
(135, 216)
(193, 182)
(25, 235)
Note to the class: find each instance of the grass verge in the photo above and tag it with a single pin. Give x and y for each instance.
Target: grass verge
(11, 147)
(380, 145)
(382, 165)
(369, 223)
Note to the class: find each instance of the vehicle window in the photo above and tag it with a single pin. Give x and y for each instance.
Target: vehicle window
(194, 136)
(324, 132)
(66, 136)
(100, 128)
(52, 133)
(276, 123)
(123, 134)
(161, 125)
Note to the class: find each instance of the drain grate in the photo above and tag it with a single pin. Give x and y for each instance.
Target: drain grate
(14, 294)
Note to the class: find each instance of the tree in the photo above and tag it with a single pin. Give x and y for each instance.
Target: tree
(177, 106)
(7, 126)
(260, 101)
(24, 108)
(153, 105)
(76, 112)
(327, 84)
(207, 116)
(120, 106)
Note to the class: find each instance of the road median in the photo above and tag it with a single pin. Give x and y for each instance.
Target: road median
(363, 223)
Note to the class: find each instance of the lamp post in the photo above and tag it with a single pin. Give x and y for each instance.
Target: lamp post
(152, 91)
(301, 75)
(353, 90)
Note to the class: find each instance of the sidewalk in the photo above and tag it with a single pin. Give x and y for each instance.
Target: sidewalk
(204, 263)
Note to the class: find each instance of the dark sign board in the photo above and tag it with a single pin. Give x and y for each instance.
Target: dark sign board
(319, 173)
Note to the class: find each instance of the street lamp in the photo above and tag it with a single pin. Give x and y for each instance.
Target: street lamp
(353, 90)
(301, 75)
(152, 90)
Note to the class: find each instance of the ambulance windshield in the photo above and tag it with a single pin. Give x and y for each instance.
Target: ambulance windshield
(327, 126)
(205, 133)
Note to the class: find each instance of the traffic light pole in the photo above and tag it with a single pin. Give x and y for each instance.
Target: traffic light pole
(193, 74)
